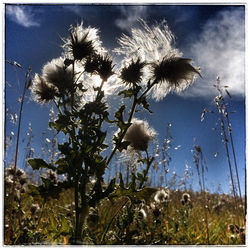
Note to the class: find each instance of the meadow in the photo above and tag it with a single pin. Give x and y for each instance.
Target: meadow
(66, 198)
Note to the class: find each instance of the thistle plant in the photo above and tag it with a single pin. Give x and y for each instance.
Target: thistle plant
(75, 84)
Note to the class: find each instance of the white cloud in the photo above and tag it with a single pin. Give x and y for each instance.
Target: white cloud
(220, 51)
(21, 15)
(130, 16)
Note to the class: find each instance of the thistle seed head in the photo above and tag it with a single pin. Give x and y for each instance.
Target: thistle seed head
(174, 74)
(83, 42)
(132, 74)
(185, 199)
(100, 65)
(34, 208)
(52, 176)
(56, 73)
(162, 196)
(139, 134)
(142, 215)
(42, 91)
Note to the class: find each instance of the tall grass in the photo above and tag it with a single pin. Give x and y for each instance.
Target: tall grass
(26, 86)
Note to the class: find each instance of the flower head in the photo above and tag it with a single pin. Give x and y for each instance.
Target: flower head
(57, 74)
(34, 208)
(52, 176)
(149, 43)
(22, 180)
(43, 91)
(155, 209)
(185, 199)
(142, 215)
(172, 74)
(162, 196)
(132, 74)
(154, 45)
(139, 134)
(8, 182)
(10, 171)
(83, 42)
(101, 65)
(20, 172)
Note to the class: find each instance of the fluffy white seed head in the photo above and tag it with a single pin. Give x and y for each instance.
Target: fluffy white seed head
(42, 91)
(55, 72)
(151, 44)
(155, 46)
(139, 134)
(162, 196)
(83, 42)
(173, 74)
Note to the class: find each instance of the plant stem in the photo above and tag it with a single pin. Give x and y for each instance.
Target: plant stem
(125, 130)
(132, 111)
(58, 107)
(234, 155)
(11, 216)
(107, 228)
(149, 162)
(228, 158)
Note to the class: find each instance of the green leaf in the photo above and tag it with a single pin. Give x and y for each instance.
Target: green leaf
(106, 119)
(47, 183)
(110, 212)
(127, 93)
(110, 187)
(145, 104)
(63, 166)
(38, 163)
(61, 123)
(64, 148)
(52, 227)
(65, 228)
(118, 114)
(103, 146)
(123, 145)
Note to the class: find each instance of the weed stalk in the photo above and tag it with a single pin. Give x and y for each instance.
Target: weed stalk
(11, 215)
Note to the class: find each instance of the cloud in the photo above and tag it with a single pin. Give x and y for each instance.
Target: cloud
(74, 8)
(130, 14)
(220, 51)
(21, 15)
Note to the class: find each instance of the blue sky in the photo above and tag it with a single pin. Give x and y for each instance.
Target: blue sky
(212, 35)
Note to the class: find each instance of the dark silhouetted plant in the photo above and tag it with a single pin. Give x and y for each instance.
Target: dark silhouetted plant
(76, 83)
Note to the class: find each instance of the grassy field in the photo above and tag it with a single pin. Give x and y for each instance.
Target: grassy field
(166, 218)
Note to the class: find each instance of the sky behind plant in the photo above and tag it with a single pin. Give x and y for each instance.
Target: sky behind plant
(212, 35)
